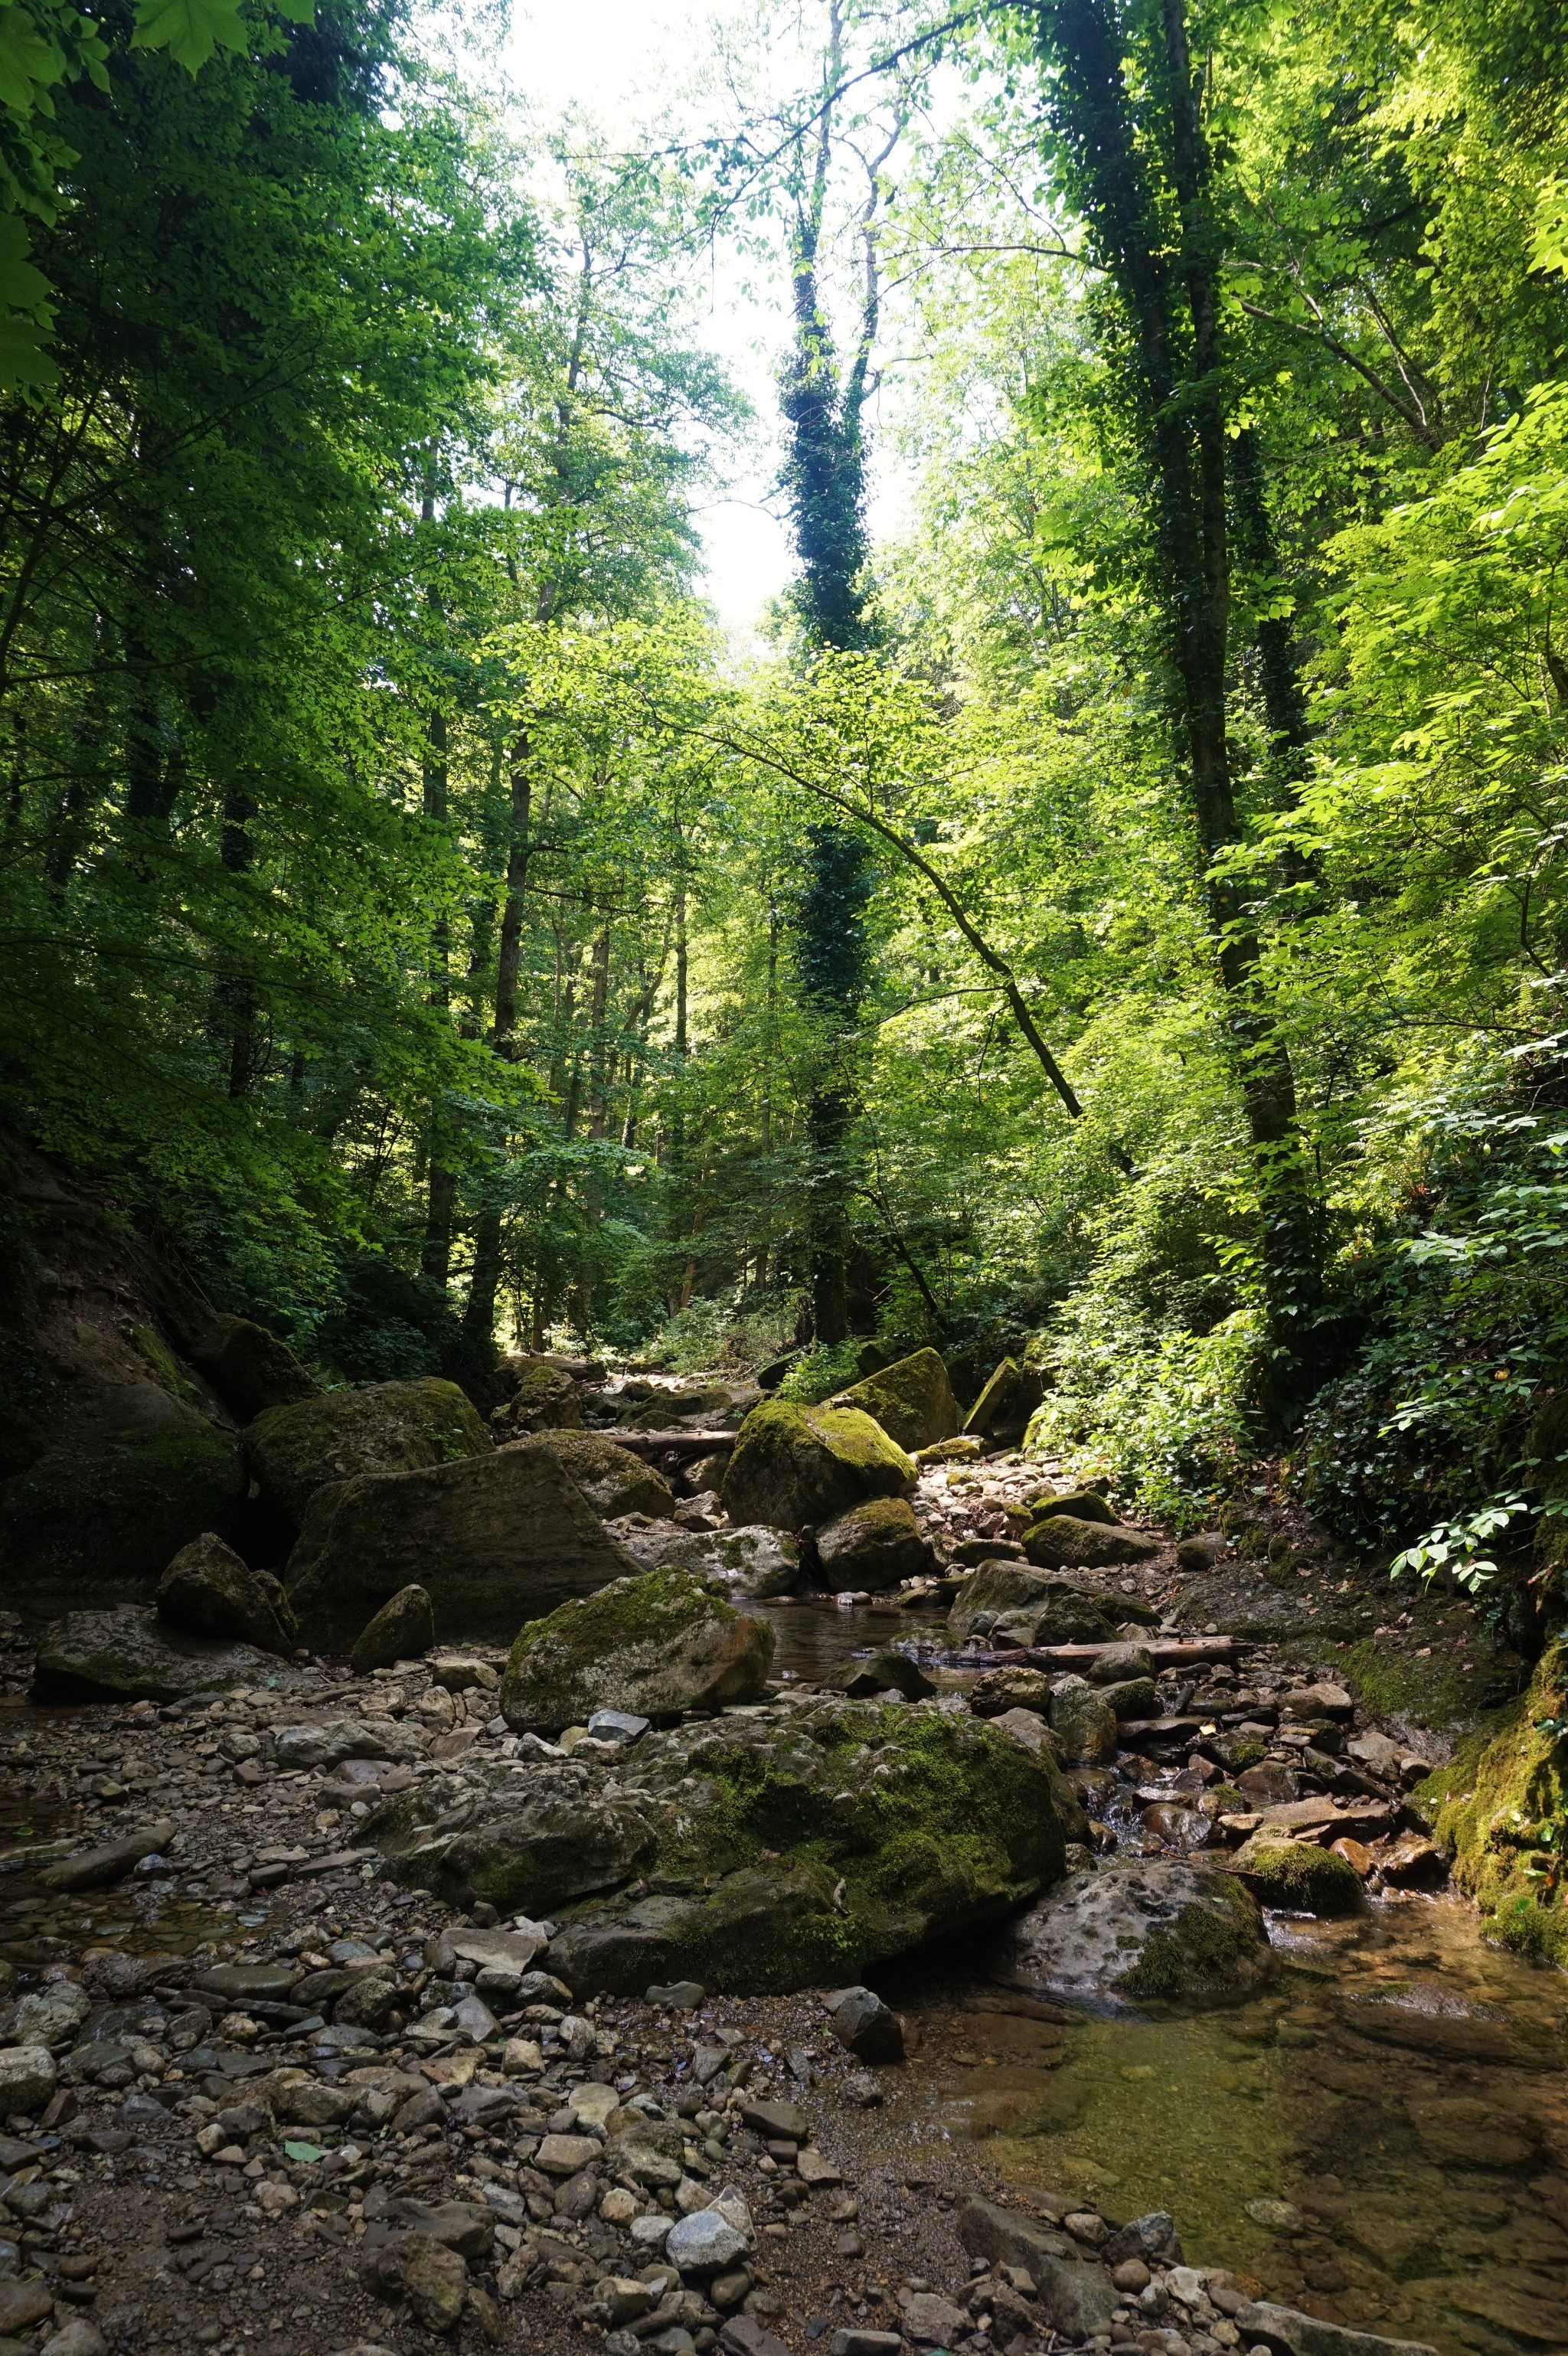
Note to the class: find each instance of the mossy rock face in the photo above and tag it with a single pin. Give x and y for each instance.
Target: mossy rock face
(613, 1480)
(141, 1475)
(130, 1654)
(1065, 1543)
(1021, 1604)
(1131, 1934)
(796, 1467)
(873, 1547)
(1500, 1808)
(386, 1428)
(252, 1369)
(1299, 1876)
(793, 1848)
(912, 1399)
(207, 1590)
(656, 1644)
(493, 1539)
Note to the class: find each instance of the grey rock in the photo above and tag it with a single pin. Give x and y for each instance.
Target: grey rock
(78, 2338)
(704, 2243)
(1076, 2295)
(652, 1646)
(1084, 1723)
(617, 1725)
(128, 1654)
(863, 2023)
(873, 1546)
(1153, 2238)
(208, 1591)
(97, 1868)
(327, 1743)
(295, 1450)
(50, 2016)
(1289, 2333)
(754, 1560)
(402, 1629)
(1136, 1934)
(26, 2078)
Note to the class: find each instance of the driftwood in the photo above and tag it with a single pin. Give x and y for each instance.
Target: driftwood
(1175, 1653)
(674, 1443)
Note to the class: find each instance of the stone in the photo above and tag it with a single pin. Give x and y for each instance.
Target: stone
(1152, 2239)
(564, 2154)
(327, 1743)
(794, 1467)
(752, 1561)
(98, 1868)
(207, 1590)
(1118, 1663)
(1065, 1543)
(50, 2015)
(1133, 1697)
(863, 2023)
(1083, 1722)
(996, 1691)
(652, 1645)
(612, 1479)
(1356, 1855)
(26, 2079)
(402, 1629)
(1128, 1935)
(814, 2169)
(240, 1984)
(1037, 1607)
(1318, 1700)
(546, 1400)
(1202, 1551)
(21, 2305)
(791, 1866)
(856, 2340)
(912, 1399)
(1083, 1504)
(137, 1475)
(1412, 1863)
(1376, 1754)
(1269, 1784)
(1132, 2275)
(250, 1368)
(78, 2338)
(887, 1671)
(128, 1654)
(344, 1435)
(930, 2320)
(678, 1996)
(435, 2282)
(466, 2226)
(873, 1546)
(1287, 2333)
(704, 2243)
(1297, 1875)
(495, 1539)
(1009, 1396)
(1075, 2295)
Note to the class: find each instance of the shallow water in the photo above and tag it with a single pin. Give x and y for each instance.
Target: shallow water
(817, 1636)
(1402, 2086)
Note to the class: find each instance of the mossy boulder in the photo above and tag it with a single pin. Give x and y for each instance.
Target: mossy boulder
(1299, 1876)
(1131, 1934)
(747, 1562)
(873, 1546)
(1017, 1603)
(546, 1400)
(252, 1369)
(795, 1848)
(139, 1474)
(1083, 1504)
(207, 1590)
(1064, 1542)
(1083, 1722)
(402, 1629)
(912, 1399)
(613, 1480)
(1498, 1809)
(1011, 1395)
(493, 1539)
(796, 1467)
(130, 1654)
(386, 1428)
(656, 1645)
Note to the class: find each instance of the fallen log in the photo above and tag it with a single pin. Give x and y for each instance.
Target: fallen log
(674, 1443)
(1175, 1653)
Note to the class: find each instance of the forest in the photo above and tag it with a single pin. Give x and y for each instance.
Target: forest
(1116, 919)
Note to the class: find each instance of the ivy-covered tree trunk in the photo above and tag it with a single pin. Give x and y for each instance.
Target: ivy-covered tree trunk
(1139, 170)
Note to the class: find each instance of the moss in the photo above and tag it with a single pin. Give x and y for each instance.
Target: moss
(912, 1399)
(1434, 1692)
(1299, 1875)
(1500, 1808)
(795, 1465)
(658, 1644)
(1201, 1949)
(1244, 1751)
(151, 1347)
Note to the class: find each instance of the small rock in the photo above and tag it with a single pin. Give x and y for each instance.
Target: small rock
(1085, 2225)
(931, 2322)
(1132, 2275)
(854, 2342)
(863, 2023)
(704, 2243)
(814, 2168)
(402, 1629)
(678, 1995)
(436, 2282)
(26, 2079)
(1278, 2216)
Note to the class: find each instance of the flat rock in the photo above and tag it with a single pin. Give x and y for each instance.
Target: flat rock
(97, 1868)
(1290, 2333)
(130, 1654)
(1076, 2295)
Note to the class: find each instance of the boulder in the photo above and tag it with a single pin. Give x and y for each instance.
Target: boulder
(863, 2023)
(546, 1400)
(656, 1645)
(130, 1654)
(342, 1435)
(613, 1480)
(887, 1671)
(402, 1629)
(1083, 1504)
(207, 1590)
(1137, 1698)
(1002, 1411)
(750, 1561)
(1129, 1935)
(873, 1546)
(1077, 2296)
(1287, 2331)
(1119, 1663)
(1016, 1603)
(140, 1474)
(912, 1399)
(250, 1369)
(493, 1539)
(1083, 1722)
(782, 1858)
(796, 1467)
(1064, 1542)
(26, 2078)
(1299, 1876)
(998, 1691)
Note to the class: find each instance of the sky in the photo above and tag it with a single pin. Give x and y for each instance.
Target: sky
(619, 60)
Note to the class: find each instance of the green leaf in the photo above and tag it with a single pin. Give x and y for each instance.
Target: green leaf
(189, 29)
(305, 2151)
(24, 362)
(22, 286)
